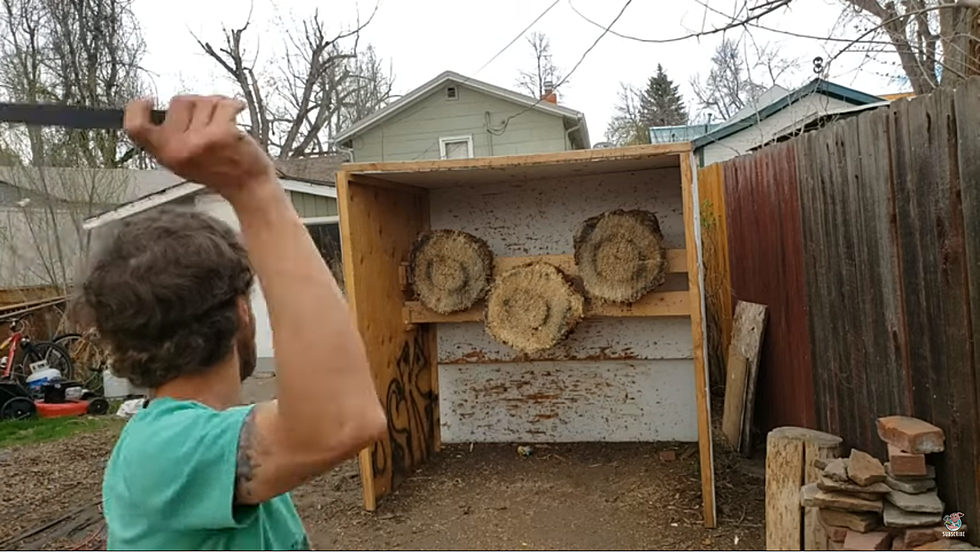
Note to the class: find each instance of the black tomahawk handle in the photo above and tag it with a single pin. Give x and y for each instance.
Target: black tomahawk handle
(68, 116)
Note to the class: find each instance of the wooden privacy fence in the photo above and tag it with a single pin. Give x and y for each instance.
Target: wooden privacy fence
(863, 239)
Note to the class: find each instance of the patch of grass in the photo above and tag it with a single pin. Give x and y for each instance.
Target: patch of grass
(27, 432)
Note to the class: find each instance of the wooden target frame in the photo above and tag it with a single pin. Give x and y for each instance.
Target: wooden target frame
(384, 206)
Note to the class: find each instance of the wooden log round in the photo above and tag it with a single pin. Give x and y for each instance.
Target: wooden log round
(533, 307)
(450, 270)
(621, 255)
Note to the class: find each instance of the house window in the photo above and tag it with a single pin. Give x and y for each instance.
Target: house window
(325, 232)
(456, 147)
(452, 93)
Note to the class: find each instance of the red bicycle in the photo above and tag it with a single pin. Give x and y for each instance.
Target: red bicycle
(33, 355)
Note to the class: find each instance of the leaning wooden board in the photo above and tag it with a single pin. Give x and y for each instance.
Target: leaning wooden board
(748, 330)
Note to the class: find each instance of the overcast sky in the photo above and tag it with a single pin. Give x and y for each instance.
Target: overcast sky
(422, 38)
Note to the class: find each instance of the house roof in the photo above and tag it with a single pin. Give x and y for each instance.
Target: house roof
(817, 120)
(571, 115)
(79, 185)
(753, 116)
(186, 188)
(680, 133)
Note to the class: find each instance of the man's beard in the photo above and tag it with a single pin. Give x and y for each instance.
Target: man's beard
(245, 346)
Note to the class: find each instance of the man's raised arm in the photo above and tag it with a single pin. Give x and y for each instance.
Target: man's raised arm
(327, 406)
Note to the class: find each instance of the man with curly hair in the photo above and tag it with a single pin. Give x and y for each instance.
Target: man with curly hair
(169, 294)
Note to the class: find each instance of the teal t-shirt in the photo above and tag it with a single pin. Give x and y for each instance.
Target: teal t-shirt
(170, 485)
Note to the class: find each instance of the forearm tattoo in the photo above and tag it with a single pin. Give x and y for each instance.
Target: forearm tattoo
(247, 461)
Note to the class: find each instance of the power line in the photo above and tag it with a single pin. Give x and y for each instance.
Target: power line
(518, 37)
(766, 8)
(605, 31)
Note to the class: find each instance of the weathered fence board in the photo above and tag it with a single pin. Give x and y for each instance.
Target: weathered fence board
(967, 112)
(889, 209)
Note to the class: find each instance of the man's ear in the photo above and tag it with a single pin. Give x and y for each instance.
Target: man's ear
(244, 309)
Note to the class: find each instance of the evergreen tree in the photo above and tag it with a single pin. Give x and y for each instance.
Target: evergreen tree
(661, 103)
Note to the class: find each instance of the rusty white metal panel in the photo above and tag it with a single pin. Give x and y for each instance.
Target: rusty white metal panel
(555, 402)
(613, 379)
(540, 218)
(594, 339)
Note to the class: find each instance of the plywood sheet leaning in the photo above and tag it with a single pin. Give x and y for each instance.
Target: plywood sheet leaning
(378, 227)
(743, 367)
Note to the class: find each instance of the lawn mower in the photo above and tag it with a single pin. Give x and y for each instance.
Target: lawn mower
(32, 383)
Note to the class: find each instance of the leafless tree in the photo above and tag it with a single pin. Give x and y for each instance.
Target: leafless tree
(937, 41)
(42, 241)
(79, 52)
(532, 81)
(626, 128)
(324, 83)
(733, 82)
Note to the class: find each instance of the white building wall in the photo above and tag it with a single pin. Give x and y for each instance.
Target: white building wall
(742, 142)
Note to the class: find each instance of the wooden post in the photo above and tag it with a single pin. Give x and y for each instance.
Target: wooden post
(790, 456)
(695, 280)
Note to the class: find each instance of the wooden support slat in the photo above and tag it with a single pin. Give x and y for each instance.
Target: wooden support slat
(667, 303)
(695, 284)
(676, 264)
(670, 303)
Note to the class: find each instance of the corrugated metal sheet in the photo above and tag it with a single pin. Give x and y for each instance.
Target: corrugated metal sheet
(766, 258)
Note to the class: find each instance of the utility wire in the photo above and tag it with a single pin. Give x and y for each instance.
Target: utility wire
(585, 54)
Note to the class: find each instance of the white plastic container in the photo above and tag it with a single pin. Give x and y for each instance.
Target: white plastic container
(115, 388)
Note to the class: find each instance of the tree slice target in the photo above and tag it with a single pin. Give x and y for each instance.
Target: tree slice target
(533, 307)
(621, 255)
(450, 270)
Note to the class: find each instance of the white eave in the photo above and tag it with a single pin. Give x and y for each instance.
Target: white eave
(455, 78)
(185, 189)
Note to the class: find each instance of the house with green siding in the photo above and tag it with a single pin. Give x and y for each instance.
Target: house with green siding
(453, 116)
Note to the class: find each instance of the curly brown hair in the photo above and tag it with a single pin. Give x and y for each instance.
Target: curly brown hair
(163, 294)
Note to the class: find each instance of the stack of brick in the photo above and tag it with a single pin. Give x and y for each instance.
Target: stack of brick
(850, 496)
(913, 511)
(866, 505)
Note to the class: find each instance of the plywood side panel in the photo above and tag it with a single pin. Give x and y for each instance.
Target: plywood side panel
(559, 402)
(378, 226)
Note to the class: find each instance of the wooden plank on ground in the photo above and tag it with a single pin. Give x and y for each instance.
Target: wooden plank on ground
(748, 330)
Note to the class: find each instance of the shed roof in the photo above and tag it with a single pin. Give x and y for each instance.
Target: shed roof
(570, 115)
(751, 117)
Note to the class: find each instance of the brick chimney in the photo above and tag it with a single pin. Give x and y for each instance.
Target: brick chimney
(549, 92)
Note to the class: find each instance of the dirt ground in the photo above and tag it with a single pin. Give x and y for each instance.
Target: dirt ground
(589, 496)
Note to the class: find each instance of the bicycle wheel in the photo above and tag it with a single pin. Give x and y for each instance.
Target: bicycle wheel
(87, 357)
(53, 354)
